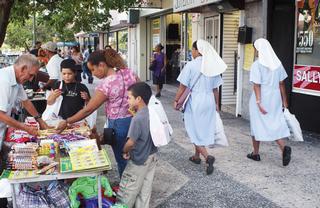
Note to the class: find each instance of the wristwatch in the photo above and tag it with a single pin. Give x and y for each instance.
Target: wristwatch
(37, 117)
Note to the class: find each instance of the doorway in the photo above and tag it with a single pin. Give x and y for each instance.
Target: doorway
(222, 32)
(212, 32)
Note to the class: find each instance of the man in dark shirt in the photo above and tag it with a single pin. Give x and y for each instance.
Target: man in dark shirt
(140, 149)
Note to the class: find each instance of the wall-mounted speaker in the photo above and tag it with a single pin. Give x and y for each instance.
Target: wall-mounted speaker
(245, 35)
(133, 16)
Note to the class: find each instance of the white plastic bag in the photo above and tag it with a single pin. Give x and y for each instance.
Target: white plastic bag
(5, 188)
(52, 111)
(92, 119)
(294, 126)
(160, 128)
(219, 136)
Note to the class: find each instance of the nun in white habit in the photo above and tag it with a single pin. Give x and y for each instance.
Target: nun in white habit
(199, 116)
(267, 121)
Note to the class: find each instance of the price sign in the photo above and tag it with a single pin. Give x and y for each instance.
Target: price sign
(305, 42)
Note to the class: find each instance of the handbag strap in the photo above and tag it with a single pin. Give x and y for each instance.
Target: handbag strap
(195, 81)
(124, 91)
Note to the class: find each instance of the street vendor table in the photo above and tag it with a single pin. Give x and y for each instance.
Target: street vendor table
(58, 176)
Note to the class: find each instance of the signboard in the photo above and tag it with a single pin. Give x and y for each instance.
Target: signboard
(306, 79)
(150, 4)
(308, 25)
(155, 32)
(182, 5)
(248, 56)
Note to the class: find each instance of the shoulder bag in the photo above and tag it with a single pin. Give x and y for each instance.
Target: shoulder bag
(181, 103)
(109, 134)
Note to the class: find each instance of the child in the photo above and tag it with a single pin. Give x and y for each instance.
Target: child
(75, 95)
(136, 181)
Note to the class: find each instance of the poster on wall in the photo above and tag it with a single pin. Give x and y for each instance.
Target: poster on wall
(308, 18)
(306, 79)
(155, 32)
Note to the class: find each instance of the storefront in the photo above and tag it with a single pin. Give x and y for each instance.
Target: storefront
(305, 98)
(217, 22)
(293, 29)
(118, 40)
(171, 30)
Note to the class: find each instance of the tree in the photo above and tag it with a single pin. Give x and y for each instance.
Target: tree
(19, 35)
(76, 15)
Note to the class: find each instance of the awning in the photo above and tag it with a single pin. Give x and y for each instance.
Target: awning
(183, 5)
(199, 6)
(69, 44)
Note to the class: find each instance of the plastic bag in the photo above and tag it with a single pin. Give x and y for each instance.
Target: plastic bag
(52, 111)
(5, 188)
(92, 119)
(220, 137)
(294, 126)
(160, 128)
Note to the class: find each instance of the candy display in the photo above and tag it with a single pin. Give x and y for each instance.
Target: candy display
(23, 157)
(53, 156)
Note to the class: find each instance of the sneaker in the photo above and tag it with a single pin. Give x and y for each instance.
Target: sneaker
(286, 155)
(253, 157)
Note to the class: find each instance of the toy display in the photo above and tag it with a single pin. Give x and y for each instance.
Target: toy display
(88, 188)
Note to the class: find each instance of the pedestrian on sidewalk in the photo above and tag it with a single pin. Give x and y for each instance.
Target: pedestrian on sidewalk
(136, 182)
(76, 55)
(268, 99)
(85, 68)
(158, 74)
(203, 73)
(112, 90)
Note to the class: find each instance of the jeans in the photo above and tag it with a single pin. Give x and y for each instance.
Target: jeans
(121, 127)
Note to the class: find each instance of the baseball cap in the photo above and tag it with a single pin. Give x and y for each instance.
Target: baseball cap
(50, 46)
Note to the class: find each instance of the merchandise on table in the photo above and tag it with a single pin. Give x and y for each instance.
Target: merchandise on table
(23, 157)
(51, 154)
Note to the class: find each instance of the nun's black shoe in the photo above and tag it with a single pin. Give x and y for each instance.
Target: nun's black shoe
(253, 157)
(210, 160)
(195, 160)
(286, 155)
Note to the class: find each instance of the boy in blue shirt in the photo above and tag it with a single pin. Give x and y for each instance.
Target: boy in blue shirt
(136, 181)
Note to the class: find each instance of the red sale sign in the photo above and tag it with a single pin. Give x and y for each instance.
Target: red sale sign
(306, 79)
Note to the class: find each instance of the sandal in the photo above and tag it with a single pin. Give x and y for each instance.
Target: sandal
(195, 160)
(253, 157)
(210, 160)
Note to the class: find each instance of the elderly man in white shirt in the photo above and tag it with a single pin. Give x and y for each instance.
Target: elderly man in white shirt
(53, 66)
(11, 92)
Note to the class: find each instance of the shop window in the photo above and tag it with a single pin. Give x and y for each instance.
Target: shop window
(123, 43)
(112, 40)
(306, 76)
